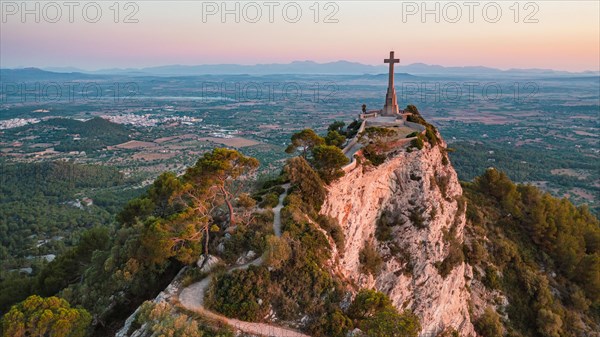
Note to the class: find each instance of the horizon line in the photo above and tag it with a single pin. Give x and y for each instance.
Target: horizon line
(106, 68)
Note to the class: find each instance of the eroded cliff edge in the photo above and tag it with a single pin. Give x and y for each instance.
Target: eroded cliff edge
(415, 200)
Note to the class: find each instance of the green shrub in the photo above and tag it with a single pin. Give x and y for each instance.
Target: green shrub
(334, 324)
(412, 109)
(193, 275)
(303, 287)
(328, 160)
(488, 324)
(546, 251)
(417, 142)
(442, 182)
(454, 258)
(490, 278)
(430, 135)
(385, 225)
(371, 153)
(52, 316)
(337, 126)
(270, 200)
(315, 246)
(278, 251)
(549, 323)
(162, 321)
(237, 294)
(416, 217)
(352, 129)
(368, 302)
(248, 237)
(390, 323)
(307, 182)
(335, 138)
(331, 226)
(374, 313)
(273, 182)
(375, 132)
(370, 259)
(475, 253)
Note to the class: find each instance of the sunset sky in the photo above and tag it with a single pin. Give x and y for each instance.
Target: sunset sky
(566, 35)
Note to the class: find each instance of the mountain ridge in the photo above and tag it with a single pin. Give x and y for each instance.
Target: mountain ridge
(312, 67)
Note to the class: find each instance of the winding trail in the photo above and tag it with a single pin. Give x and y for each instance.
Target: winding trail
(192, 297)
(277, 211)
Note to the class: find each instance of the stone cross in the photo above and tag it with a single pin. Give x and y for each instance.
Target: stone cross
(391, 102)
(391, 61)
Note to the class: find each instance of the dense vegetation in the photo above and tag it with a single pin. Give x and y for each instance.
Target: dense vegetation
(431, 133)
(38, 201)
(50, 316)
(324, 154)
(111, 271)
(375, 144)
(554, 129)
(374, 313)
(67, 134)
(542, 252)
(524, 163)
(295, 261)
(296, 282)
(91, 135)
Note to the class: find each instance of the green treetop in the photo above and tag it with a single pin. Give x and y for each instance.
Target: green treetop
(45, 317)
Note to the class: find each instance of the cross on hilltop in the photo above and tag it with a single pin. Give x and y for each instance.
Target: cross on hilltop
(390, 115)
(391, 102)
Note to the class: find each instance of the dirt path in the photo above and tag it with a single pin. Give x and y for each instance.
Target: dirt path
(277, 211)
(192, 297)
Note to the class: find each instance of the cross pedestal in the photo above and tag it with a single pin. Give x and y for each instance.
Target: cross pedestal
(391, 102)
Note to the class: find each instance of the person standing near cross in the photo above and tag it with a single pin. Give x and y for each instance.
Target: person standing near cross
(391, 102)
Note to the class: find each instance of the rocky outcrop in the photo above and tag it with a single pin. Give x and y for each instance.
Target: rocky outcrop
(417, 199)
(166, 295)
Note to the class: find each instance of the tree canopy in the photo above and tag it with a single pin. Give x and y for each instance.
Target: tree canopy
(547, 250)
(212, 182)
(374, 313)
(304, 141)
(328, 160)
(307, 181)
(45, 317)
(335, 138)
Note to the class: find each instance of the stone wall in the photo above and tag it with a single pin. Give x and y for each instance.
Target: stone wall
(353, 141)
(415, 126)
(349, 167)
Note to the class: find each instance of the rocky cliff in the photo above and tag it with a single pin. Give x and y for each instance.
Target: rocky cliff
(411, 210)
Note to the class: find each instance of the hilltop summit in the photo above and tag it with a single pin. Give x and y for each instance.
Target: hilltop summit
(409, 210)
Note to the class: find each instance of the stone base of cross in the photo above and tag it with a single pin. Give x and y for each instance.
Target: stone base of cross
(391, 103)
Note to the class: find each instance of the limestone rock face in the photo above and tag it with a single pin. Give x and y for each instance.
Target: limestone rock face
(208, 265)
(420, 199)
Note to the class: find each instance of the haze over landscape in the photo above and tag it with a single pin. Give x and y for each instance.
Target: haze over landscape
(155, 33)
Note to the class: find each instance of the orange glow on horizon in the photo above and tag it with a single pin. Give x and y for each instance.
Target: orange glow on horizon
(173, 33)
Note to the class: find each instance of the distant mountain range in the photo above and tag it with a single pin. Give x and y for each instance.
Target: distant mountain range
(36, 74)
(310, 67)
